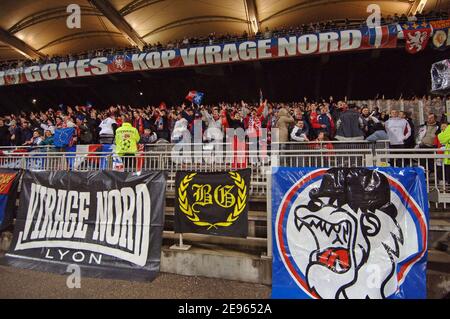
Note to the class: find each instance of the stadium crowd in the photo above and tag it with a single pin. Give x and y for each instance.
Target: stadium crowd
(297, 122)
(216, 38)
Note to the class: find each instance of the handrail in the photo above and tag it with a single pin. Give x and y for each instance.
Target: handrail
(356, 142)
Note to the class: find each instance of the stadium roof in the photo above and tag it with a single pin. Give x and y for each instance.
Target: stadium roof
(38, 27)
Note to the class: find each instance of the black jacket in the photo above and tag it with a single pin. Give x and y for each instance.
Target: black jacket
(5, 137)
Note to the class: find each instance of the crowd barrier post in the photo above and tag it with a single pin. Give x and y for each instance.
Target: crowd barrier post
(269, 212)
(180, 245)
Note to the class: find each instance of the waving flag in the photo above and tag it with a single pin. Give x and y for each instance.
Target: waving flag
(9, 182)
(416, 36)
(195, 97)
(441, 36)
(83, 157)
(381, 37)
(120, 63)
(63, 136)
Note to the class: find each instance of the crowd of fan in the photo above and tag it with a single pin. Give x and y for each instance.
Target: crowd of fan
(214, 38)
(304, 121)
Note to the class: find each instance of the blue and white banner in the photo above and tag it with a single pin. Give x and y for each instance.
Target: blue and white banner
(383, 37)
(349, 233)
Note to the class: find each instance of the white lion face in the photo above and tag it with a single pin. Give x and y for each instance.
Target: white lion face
(340, 245)
(346, 239)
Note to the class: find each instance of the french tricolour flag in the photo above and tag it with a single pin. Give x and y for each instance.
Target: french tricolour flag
(191, 95)
(83, 157)
(381, 37)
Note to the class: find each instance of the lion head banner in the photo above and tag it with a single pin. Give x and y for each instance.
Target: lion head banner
(349, 233)
(212, 203)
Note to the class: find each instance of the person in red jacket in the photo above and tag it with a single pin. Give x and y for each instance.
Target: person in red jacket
(253, 121)
(316, 126)
(253, 127)
(138, 122)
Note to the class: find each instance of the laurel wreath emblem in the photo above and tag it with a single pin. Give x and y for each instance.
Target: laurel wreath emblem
(186, 208)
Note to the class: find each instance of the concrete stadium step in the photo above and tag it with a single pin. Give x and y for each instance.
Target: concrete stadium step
(437, 258)
(243, 243)
(217, 262)
(214, 261)
(439, 224)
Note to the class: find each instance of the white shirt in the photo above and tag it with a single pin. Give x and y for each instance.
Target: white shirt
(179, 128)
(46, 127)
(395, 129)
(301, 138)
(106, 126)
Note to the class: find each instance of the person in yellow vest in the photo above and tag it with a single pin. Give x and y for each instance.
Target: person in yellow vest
(444, 139)
(127, 138)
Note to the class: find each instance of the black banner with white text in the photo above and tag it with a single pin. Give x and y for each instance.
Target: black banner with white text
(109, 223)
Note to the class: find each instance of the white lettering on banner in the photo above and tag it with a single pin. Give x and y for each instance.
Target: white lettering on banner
(81, 229)
(230, 53)
(153, 60)
(128, 211)
(350, 39)
(67, 69)
(167, 56)
(49, 71)
(76, 256)
(287, 46)
(247, 51)
(329, 42)
(57, 229)
(42, 192)
(81, 67)
(50, 203)
(323, 43)
(212, 54)
(138, 62)
(308, 44)
(189, 56)
(57, 219)
(72, 203)
(200, 55)
(264, 49)
(31, 209)
(98, 66)
(32, 73)
(113, 230)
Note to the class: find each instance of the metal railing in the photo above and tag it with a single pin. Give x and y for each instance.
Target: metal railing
(211, 158)
(207, 159)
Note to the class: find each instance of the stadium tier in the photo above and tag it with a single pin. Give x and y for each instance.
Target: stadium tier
(241, 149)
